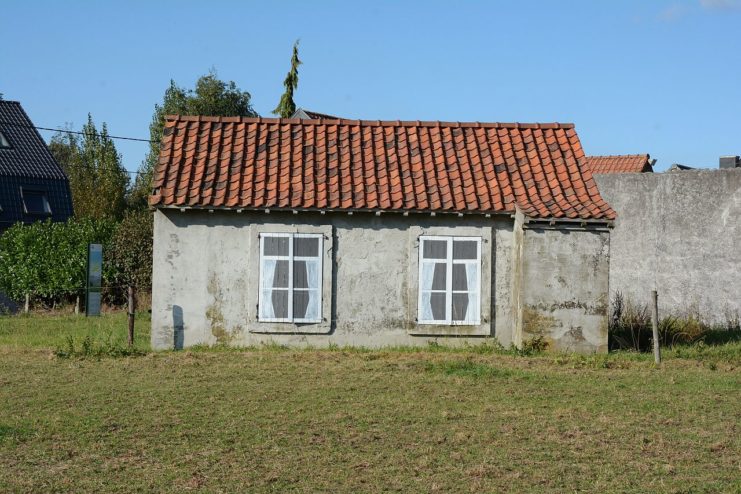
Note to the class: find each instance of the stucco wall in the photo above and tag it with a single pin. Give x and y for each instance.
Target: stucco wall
(206, 265)
(678, 233)
(564, 288)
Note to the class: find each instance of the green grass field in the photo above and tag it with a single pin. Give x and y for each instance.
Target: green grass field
(344, 420)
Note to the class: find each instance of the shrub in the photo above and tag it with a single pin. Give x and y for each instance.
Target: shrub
(48, 260)
(631, 328)
(130, 252)
(533, 346)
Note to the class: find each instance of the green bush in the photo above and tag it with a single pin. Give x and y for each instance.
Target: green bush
(48, 260)
(130, 253)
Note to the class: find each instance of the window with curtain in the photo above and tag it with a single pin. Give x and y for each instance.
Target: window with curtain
(449, 280)
(290, 277)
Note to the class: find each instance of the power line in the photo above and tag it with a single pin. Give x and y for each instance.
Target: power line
(74, 132)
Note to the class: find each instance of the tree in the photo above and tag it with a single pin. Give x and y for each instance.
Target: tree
(211, 96)
(130, 252)
(97, 179)
(286, 107)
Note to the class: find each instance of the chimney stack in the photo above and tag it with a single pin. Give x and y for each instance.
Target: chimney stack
(730, 162)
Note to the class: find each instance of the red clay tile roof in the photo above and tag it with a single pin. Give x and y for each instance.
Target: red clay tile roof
(237, 162)
(622, 163)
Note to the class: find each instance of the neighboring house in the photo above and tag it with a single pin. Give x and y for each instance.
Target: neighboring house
(310, 115)
(33, 186)
(622, 163)
(347, 232)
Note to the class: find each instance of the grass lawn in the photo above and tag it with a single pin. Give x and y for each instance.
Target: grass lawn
(430, 420)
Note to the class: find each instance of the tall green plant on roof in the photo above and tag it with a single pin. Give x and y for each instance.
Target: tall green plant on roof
(211, 96)
(286, 106)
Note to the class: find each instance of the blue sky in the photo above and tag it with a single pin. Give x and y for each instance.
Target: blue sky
(659, 77)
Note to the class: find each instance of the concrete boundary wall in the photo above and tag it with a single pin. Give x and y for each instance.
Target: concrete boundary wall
(679, 233)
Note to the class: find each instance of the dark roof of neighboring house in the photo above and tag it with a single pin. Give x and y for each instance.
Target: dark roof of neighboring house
(621, 163)
(28, 156)
(237, 162)
(311, 115)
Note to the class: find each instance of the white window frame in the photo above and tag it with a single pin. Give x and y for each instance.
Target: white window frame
(291, 258)
(449, 280)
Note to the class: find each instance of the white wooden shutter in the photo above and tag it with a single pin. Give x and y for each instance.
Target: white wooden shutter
(307, 278)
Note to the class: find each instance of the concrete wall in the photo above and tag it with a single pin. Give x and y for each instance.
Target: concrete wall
(206, 267)
(564, 288)
(679, 233)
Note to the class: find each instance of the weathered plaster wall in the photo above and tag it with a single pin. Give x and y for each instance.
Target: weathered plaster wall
(678, 233)
(205, 271)
(564, 288)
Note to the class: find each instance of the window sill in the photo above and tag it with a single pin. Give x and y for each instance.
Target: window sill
(427, 329)
(270, 327)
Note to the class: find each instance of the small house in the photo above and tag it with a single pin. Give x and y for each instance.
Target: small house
(33, 186)
(376, 233)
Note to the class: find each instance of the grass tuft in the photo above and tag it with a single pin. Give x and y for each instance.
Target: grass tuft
(470, 369)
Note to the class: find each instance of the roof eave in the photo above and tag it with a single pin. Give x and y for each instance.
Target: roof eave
(404, 212)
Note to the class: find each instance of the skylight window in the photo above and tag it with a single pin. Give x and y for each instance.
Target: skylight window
(4, 143)
(35, 202)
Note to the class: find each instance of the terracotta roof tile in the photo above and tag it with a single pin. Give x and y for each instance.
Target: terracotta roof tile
(358, 164)
(624, 163)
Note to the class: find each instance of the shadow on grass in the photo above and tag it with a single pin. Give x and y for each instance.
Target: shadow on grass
(721, 336)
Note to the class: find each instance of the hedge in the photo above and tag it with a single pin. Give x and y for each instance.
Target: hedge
(48, 260)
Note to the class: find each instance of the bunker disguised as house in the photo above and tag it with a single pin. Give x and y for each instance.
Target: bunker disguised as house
(313, 232)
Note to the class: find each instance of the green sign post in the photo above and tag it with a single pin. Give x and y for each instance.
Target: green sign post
(94, 279)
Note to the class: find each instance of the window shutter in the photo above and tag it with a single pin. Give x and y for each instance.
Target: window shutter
(307, 281)
(433, 280)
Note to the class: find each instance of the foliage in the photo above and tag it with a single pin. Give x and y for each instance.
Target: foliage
(631, 327)
(211, 96)
(48, 260)
(96, 349)
(131, 250)
(286, 107)
(534, 346)
(97, 178)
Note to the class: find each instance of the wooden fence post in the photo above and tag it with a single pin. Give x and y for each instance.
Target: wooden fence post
(28, 303)
(655, 324)
(131, 315)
